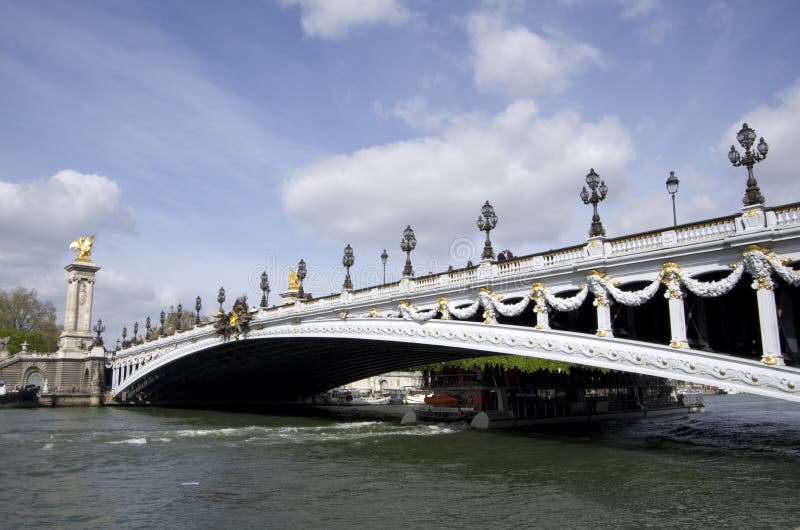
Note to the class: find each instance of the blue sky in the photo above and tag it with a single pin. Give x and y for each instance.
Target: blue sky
(202, 142)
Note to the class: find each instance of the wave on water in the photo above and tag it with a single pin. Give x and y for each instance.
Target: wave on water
(131, 441)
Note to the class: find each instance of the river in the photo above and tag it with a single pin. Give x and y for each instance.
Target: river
(735, 465)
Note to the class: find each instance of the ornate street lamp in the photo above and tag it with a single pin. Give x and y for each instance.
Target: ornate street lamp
(595, 184)
(301, 275)
(99, 328)
(163, 319)
(487, 221)
(347, 260)
(147, 327)
(264, 289)
(135, 332)
(384, 257)
(180, 314)
(407, 244)
(198, 305)
(746, 137)
(124, 334)
(672, 188)
(221, 298)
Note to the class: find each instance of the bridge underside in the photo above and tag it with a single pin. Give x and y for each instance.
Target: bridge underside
(280, 369)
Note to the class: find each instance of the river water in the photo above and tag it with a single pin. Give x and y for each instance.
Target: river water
(736, 465)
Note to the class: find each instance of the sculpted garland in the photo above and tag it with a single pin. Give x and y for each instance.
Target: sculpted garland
(756, 261)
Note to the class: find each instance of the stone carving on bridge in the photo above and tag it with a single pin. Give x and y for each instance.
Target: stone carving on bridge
(236, 322)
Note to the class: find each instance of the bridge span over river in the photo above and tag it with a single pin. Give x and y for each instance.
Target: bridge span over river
(714, 302)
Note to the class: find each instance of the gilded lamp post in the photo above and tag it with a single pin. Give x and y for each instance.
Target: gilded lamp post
(302, 272)
(147, 327)
(99, 328)
(746, 136)
(264, 289)
(135, 332)
(487, 221)
(178, 326)
(198, 305)
(596, 185)
(672, 189)
(407, 244)
(347, 260)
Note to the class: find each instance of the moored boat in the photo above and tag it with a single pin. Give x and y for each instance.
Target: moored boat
(24, 397)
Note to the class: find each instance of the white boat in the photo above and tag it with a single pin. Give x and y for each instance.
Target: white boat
(354, 398)
(417, 397)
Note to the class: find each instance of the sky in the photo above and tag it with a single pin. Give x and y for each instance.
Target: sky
(202, 142)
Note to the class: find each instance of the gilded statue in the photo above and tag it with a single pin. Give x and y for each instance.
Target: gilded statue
(84, 247)
(294, 283)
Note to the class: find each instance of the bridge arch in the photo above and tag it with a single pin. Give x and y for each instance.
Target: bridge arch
(294, 360)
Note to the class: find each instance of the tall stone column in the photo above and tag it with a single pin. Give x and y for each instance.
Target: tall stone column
(77, 334)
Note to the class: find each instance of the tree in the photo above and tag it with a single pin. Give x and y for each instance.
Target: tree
(22, 311)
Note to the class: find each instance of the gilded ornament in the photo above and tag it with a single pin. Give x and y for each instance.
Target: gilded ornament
(723, 372)
(755, 378)
(755, 248)
(770, 360)
(373, 312)
(676, 344)
(601, 333)
(791, 386)
(84, 247)
(294, 282)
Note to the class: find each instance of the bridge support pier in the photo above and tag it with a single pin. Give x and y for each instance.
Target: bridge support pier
(677, 322)
(768, 320)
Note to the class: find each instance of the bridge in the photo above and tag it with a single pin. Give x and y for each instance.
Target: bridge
(713, 302)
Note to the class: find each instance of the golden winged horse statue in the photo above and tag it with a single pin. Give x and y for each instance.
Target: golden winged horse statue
(84, 247)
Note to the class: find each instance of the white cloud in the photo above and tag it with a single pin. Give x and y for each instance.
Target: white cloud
(510, 59)
(333, 19)
(528, 166)
(777, 175)
(637, 8)
(40, 215)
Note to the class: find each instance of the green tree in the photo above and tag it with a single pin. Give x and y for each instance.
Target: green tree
(22, 311)
(36, 340)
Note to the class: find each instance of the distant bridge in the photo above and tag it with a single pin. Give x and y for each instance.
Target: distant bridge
(713, 302)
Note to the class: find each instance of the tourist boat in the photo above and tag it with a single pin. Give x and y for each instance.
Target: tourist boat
(25, 397)
(355, 398)
(520, 399)
(416, 397)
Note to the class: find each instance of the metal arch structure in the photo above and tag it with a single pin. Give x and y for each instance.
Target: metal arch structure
(329, 353)
(388, 326)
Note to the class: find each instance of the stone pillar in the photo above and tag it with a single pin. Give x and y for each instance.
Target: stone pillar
(77, 334)
(768, 320)
(603, 317)
(677, 322)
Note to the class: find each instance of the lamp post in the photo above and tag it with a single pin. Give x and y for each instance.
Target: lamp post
(746, 136)
(487, 221)
(135, 332)
(147, 327)
(221, 298)
(595, 184)
(384, 257)
(99, 328)
(264, 289)
(124, 334)
(347, 260)
(163, 319)
(407, 244)
(672, 188)
(198, 305)
(301, 275)
(180, 314)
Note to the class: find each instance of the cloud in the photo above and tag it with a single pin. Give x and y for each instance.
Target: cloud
(512, 60)
(36, 216)
(333, 19)
(777, 175)
(637, 8)
(528, 166)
